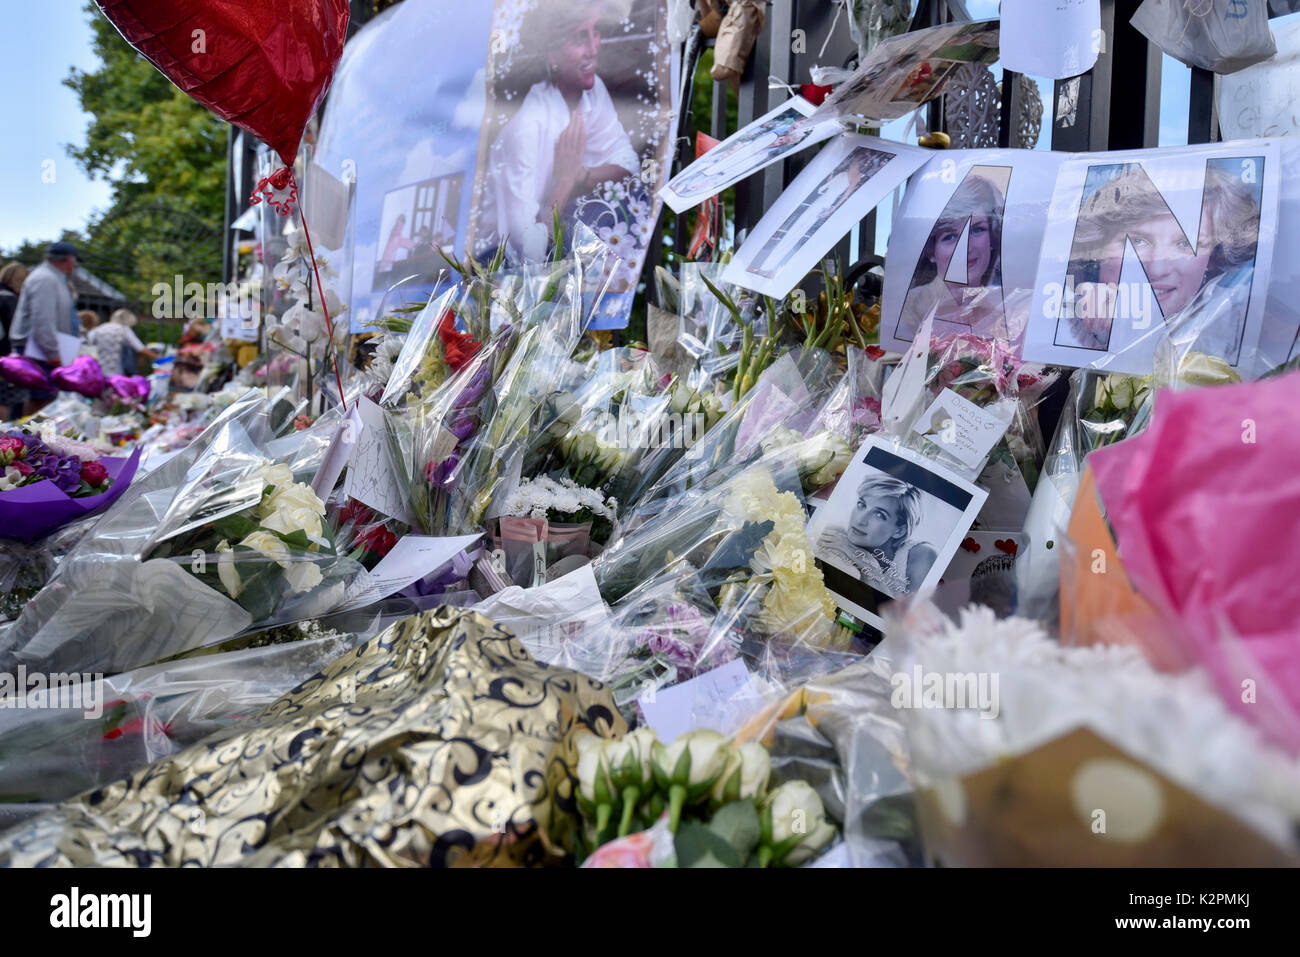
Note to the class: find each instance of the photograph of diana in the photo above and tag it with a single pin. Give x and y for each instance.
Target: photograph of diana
(966, 294)
(891, 526)
(816, 208)
(578, 104)
(742, 154)
(1122, 206)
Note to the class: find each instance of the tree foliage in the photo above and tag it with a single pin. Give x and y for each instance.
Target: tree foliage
(165, 158)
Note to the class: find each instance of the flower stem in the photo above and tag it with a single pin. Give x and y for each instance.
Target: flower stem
(631, 794)
(764, 856)
(603, 811)
(676, 798)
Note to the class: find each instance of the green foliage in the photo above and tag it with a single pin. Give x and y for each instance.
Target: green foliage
(165, 158)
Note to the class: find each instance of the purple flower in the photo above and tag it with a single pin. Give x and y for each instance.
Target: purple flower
(438, 474)
(463, 427)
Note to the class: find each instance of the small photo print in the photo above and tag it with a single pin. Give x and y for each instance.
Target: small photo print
(891, 526)
(418, 221)
(983, 572)
(783, 131)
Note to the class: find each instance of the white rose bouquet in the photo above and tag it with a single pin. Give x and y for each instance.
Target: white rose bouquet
(266, 553)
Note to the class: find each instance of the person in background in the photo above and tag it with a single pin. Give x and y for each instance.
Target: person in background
(11, 284)
(46, 308)
(114, 338)
(195, 333)
(88, 319)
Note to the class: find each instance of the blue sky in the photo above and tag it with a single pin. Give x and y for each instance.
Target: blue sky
(43, 117)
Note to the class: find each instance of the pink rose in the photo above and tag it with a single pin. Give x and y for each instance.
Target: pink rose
(11, 447)
(94, 474)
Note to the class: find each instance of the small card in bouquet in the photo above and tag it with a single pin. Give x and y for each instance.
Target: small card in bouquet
(718, 700)
(983, 572)
(891, 526)
(371, 478)
(963, 429)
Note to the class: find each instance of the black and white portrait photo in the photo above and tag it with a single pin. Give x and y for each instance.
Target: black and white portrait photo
(891, 526)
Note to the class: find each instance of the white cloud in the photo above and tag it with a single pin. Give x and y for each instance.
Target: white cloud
(423, 163)
(469, 111)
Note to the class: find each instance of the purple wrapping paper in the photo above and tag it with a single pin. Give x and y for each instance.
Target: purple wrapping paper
(33, 511)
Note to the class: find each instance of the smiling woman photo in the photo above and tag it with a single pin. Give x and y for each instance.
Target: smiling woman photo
(876, 541)
(566, 138)
(976, 305)
(1129, 208)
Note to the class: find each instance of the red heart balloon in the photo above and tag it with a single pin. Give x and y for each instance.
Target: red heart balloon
(264, 65)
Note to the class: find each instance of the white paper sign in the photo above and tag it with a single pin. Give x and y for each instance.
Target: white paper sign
(371, 479)
(1261, 99)
(413, 557)
(1134, 238)
(963, 429)
(773, 136)
(845, 182)
(717, 700)
(69, 347)
(325, 206)
(1051, 38)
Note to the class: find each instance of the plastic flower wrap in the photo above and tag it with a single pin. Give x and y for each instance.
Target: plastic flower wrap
(746, 542)
(987, 374)
(123, 598)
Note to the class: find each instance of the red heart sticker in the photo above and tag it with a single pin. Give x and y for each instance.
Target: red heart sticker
(1007, 545)
(970, 544)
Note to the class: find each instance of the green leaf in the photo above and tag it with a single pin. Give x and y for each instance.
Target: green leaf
(697, 846)
(737, 824)
(296, 539)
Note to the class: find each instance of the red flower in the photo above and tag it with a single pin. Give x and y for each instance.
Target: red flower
(356, 513)
(137, 726)
(302, 422)
(875, 352)
(459, 347)
(814, 94)
(378, 540)
(22, 466)
(93, 473)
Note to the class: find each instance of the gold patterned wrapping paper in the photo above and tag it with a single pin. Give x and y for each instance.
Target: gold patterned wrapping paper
(439, 742)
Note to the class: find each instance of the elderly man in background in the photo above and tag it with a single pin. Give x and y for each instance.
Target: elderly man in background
(45, 309)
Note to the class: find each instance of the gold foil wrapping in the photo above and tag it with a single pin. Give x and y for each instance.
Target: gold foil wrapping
(439, 742)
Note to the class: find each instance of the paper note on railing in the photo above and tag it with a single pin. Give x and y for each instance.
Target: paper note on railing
(1051, 38)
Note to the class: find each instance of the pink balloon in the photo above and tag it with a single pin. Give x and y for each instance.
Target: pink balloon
(24, 373)
(83, 376)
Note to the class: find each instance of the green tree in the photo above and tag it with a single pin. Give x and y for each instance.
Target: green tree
(165, 157)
